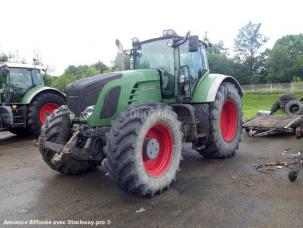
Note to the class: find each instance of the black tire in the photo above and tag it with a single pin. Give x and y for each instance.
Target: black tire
(287, 97)
(21, 132)
(124, 159)
(284, 99)
(275, 107)
(292, 175)
(294, 107)
(33, 115)
(218, 147)
(58, 129)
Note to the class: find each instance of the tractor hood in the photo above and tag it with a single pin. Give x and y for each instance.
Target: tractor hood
(83, 93)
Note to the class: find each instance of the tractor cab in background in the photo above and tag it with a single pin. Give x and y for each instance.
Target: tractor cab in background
(24, 100)
(17, 80)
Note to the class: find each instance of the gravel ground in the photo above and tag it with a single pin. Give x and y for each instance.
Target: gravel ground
(214, 193)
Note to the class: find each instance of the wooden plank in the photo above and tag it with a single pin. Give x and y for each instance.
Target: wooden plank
(272, 121)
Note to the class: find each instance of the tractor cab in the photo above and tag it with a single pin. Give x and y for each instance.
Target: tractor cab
(181, 62)
(16, 80)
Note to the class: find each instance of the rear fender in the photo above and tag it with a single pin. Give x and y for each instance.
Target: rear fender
(208, 86)
(34, 92)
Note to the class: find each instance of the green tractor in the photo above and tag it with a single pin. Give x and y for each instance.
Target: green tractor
(24, 100)
(137, 120)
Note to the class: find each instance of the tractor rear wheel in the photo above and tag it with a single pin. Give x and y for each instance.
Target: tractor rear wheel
(225, 123)
(42, 106)
(143, 150)
(58, 129)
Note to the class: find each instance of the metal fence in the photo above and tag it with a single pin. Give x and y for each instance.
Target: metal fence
(274, 88)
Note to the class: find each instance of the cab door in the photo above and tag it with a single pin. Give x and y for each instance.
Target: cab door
(194, 66)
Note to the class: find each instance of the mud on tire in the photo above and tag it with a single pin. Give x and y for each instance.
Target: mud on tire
(224, 144)
(58, 129)
(125, 160)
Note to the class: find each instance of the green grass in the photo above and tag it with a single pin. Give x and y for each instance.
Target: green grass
(252, 102)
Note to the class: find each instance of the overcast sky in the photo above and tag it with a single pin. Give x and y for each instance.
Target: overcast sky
(83, 32)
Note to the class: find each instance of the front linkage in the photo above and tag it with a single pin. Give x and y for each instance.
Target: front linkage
(81, 146)
(70, 149)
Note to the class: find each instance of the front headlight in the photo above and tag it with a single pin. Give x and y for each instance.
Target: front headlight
(88, 111)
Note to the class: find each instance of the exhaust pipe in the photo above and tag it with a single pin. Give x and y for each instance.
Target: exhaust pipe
(120, 56)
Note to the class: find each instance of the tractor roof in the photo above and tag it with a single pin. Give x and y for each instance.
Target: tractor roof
(21, 65)
(161, 38)
(167, 34)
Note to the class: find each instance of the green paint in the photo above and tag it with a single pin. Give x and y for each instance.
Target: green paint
(144, 85)
(147, 88)
(28, 97)
(208, 86)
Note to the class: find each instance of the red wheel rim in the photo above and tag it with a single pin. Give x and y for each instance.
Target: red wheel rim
(161, 135)
(47, 109)
(229, 120)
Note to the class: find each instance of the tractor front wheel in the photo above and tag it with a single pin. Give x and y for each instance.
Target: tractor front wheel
(225, 123)
(58, 129)
(143, 150)
(42, 106)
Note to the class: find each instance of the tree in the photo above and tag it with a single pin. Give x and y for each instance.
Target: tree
(285, 61)
(219, 62)
(73, 73)
(3, 58)
(217, 49)
(247, 45)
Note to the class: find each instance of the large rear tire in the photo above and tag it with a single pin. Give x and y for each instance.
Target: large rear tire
(143, 150)
(42, 106)
(225, 123)
(58, 129)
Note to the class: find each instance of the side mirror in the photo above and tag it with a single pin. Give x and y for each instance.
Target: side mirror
(193, 43)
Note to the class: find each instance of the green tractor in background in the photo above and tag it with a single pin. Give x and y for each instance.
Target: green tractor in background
(136, 121)
(24, 100)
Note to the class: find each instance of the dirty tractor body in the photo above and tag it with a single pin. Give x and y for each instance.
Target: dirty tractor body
(135, 122)
(24, 100)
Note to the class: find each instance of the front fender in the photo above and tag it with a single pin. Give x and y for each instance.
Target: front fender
(32, 93)
(208, 86)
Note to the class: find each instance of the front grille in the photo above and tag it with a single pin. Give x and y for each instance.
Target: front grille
(85, 92)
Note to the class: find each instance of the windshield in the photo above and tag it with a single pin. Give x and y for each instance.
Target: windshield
(156, 54)
(20, 79)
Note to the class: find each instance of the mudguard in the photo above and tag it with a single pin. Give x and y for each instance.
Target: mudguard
(208, 86)
(32, 93)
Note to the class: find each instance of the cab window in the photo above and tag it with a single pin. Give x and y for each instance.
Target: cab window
(158, 55)
(37, 77)
(21, 79)
(193, 60)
